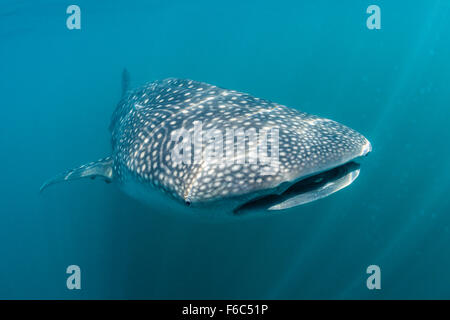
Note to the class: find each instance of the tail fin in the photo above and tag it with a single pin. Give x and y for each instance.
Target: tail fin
(101, 168)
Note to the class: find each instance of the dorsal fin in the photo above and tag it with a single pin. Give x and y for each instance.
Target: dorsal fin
(125, 81)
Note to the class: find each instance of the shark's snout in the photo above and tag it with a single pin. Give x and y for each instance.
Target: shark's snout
(366, 148)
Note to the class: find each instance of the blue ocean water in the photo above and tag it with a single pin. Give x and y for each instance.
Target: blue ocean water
(59, 88)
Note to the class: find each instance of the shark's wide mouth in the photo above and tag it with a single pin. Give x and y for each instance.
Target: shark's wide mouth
(305, 190)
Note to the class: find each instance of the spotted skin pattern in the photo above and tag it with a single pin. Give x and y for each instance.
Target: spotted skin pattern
(144, 119)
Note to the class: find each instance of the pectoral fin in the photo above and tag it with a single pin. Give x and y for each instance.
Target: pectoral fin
(101, 168)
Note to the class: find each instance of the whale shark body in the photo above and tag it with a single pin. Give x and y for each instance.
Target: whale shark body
(315, 156)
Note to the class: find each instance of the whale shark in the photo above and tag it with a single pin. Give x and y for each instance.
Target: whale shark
(315, 156)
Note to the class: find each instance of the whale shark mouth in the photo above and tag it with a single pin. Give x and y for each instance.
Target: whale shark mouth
(305, 190)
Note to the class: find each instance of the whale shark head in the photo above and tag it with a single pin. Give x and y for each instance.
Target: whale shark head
(315, 158)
